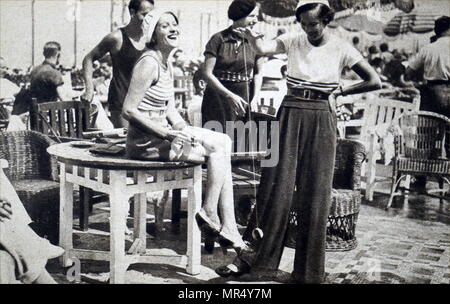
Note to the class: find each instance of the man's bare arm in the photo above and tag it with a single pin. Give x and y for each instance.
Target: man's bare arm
(107, 45)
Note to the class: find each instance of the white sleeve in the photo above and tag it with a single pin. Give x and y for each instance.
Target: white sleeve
(417, 62)
(287, 40)
(351, 56)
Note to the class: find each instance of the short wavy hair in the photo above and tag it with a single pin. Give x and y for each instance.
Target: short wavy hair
(136, 4)
(51, 49)
(326, 14)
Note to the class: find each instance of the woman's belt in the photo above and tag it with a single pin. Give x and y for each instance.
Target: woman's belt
(291, 101)
(230, 76)
(308, 94)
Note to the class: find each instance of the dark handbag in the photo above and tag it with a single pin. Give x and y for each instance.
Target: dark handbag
(111, 147)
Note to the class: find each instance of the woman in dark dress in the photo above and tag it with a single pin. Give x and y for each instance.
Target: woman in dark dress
(307, 146)
(232, 68)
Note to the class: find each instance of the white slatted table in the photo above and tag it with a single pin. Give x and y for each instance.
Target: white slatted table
(109, 175)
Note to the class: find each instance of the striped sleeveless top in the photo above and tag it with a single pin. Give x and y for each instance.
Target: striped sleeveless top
(158, 94)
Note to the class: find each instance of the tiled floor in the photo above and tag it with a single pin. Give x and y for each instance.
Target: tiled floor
(409, 243)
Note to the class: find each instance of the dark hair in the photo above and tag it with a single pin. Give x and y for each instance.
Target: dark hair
(326, 14)
(51, 48)
(441, 25)
(373, 49)
(239, 9)
(198, 75)
(152, 43)
(384, 47)
(136, 4)
(376, 62)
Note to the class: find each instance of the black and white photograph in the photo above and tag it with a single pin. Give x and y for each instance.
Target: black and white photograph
(224, 148)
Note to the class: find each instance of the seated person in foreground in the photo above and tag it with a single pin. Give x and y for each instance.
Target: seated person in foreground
(29, 251)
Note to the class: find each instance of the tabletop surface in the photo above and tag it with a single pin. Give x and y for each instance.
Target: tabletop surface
(80, 156)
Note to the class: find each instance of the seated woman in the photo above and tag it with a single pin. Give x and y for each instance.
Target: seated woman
(29, 251)
(157, 131)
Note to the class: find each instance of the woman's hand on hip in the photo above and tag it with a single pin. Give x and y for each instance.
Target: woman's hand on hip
(5, 210)
(332, 101)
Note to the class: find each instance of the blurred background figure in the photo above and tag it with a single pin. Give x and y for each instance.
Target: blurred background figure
(8, 89)
(385, 55)
(433, 61)
(194, 108)
(46, 81)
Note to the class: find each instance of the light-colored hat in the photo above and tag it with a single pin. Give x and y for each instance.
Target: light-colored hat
(151, 20)
(304, 2)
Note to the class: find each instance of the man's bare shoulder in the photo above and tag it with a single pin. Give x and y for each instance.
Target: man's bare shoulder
(114, 40)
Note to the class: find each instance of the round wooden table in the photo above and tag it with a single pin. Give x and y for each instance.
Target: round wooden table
(108, 174)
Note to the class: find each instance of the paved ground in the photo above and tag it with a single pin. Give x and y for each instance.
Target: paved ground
(407, 244)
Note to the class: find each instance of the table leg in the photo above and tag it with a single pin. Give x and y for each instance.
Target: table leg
(65, 217)
(193, 232)
(140, 220)
(85, 203)
(176, 210)
(118, 200)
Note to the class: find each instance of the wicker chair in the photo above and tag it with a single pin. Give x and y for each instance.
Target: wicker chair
(345, 199)
(421, 148)
(4, 117)
(33, 173)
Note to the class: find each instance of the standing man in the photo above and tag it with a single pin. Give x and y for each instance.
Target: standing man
(434, 61)
(125, 46)
(46, 81)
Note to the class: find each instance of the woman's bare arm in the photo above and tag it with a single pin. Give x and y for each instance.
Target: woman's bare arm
(371, 80)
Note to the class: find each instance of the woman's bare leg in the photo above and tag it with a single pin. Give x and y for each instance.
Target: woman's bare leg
(219, 192)
(226, 207)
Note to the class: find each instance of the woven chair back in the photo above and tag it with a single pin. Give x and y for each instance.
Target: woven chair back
(350, 155)
(62, 119)
(423, 135)
(4, 117)
(26, 153)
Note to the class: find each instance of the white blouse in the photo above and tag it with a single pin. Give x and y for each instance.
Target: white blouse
(318, 68)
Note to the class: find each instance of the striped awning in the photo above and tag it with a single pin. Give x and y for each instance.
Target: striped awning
(416, 22)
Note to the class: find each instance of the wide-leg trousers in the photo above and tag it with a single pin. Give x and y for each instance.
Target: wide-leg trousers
(307, 149)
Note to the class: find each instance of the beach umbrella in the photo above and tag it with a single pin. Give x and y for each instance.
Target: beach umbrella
(356, 23)
(415, 22)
